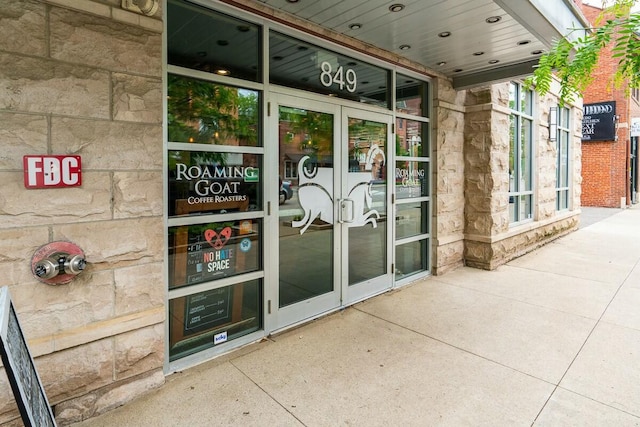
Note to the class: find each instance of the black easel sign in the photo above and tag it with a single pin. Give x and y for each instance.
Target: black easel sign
(21, 371)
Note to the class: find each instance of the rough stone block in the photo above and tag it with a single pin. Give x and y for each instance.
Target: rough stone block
(21, 134)
(22, 27)
(139, 351)
(101, 143)
(117, 244)
(137, 99)
(139, 288)
(103, 400)
(44, 86)
(76, 371)
(137, 194)
(103, 43)
(47, 310)
(17, 246)
(89, 202)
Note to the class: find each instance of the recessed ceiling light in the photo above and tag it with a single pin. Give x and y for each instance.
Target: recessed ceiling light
(537, 52)
(222, 72)
(222, 42)
(441, 63)
(355, 26)
(444, 34)
(523, 42)
(457, 70)
(365, 82)
(293, 1)
(278, 58)
(494, 61)
(352, 64)
(493, 19)
(478, 53)
(202, 54)
(303, 48)
(405, 47)
(396, 7)
(243, 28)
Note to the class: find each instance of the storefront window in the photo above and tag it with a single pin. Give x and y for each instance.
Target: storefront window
(204, 252)
(412, 179)
(411, 219)
(411, 96)
(213, 182)
(202, 112)
(206, 319)
(410, 138)
(520, 154)
(300, 65)
(201, 39)
(411, 258)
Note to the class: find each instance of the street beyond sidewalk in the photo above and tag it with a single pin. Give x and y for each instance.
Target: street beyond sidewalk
(549, 339)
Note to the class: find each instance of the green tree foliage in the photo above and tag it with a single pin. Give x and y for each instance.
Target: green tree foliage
(573, 62)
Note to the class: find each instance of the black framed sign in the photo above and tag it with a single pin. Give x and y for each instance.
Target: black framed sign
(598, 122)
(21, 371)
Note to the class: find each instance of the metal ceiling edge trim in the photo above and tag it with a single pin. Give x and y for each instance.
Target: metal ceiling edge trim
(272, 15)
(494, 75)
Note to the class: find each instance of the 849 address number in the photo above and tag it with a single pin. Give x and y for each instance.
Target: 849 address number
(345, 79)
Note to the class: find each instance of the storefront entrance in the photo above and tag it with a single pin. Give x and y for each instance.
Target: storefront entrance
(334, 237)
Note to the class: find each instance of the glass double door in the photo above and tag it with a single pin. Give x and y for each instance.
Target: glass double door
(334, 235)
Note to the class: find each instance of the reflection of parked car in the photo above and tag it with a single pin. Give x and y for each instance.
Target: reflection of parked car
(285, 191)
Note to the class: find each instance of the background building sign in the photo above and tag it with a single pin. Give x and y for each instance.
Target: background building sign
(598, 122)
(635, 126)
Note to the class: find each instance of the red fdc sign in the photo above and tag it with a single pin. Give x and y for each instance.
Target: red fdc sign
(52, 171)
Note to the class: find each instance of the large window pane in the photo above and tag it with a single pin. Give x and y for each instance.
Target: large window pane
(205, 252)
(204, 182)
(203, 112)
(209, 41)
(206, 319)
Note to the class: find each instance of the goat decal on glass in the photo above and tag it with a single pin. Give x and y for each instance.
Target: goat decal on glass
(315, 192)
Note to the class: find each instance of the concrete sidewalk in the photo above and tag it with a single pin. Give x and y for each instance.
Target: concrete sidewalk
(550, 339)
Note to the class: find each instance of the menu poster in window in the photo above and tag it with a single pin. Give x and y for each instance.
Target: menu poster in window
(206, 310)
(21, 371)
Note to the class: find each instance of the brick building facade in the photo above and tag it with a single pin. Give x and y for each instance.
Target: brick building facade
(606, 165)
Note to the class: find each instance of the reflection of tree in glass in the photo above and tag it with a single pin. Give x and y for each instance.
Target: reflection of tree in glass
(312, 130)
(208, 113)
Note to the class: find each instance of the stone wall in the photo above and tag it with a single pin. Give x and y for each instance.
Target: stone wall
(490, 240)
(447, 163)
(84, 77)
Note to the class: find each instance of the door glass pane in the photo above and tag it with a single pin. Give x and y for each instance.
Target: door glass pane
(306, 210)
(367, 196)
(411, 179)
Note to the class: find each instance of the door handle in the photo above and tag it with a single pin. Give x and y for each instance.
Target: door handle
(346, 211)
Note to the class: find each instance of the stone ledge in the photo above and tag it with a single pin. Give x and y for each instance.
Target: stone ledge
(438, 103)
(96, 331)
(533, 225)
